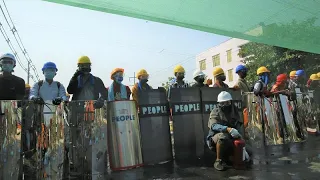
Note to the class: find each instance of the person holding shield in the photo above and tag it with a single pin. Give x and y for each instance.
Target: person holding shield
(118, 91)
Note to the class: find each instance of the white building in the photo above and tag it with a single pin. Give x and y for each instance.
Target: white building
(224, 55)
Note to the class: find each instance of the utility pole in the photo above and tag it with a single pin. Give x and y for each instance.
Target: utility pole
(28, 76)
(134, 79)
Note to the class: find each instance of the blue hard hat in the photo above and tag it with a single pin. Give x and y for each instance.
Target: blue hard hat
(49, 65)
(240, 68)
(300, 73)
(9, 56)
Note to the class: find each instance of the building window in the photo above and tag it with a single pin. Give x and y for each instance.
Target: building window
(216, 60)
(230, 75)
(202, 65)
(229, 56)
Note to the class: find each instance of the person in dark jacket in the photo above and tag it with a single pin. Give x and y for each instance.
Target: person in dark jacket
(199, 77)
(83, 85)
(224, 128)
(11, 87)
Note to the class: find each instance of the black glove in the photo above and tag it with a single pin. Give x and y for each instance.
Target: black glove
(57, 101)
(37, 100)
(98, 103)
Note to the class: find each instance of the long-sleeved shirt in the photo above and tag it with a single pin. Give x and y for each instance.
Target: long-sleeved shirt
(136, 90)
(48, 91)
(243, 85)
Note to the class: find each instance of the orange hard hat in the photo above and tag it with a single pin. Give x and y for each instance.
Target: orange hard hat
(114, 71)
(282, 78)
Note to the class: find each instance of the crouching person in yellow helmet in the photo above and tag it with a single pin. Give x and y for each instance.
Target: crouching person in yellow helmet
(220, 77)
(260, 87)
(117, 91)
(141, 86)
(84, 86)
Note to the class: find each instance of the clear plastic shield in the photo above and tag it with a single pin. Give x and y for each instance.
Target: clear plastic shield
(10, 140)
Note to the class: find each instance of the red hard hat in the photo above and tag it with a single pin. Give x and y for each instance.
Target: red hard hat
(282, 78)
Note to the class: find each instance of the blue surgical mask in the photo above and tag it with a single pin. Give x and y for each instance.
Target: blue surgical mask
(7, 67)
(49, 75)
(264, 78)
(119, 79)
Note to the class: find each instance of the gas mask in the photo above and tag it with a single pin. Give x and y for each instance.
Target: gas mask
(49, 73)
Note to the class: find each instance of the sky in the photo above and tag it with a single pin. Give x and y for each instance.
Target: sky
(61, 34)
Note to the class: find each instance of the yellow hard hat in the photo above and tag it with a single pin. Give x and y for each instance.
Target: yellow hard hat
(318, 74)
(178, 69)
(262, 69)
(218, 71)
(84, 60)
(314, 77)
(142, 72)
(28, 86)
(292, 73)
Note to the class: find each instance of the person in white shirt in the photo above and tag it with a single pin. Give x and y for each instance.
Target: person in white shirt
(48, 89)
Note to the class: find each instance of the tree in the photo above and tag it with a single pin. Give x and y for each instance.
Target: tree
(167, 83)
(278, 60)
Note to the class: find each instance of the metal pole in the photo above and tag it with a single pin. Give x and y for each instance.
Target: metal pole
(134, 78)
(28, 76)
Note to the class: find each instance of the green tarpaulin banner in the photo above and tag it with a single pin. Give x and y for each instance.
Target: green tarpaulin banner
(292, 24)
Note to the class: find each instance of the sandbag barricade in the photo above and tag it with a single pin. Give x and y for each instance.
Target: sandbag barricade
(154, 126)
(304, 111)
(187, 124)
(10, 140)
(86, 141)
(124, 142)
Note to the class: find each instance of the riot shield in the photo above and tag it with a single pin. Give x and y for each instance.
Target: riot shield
(187, 124)
(154, 126)
(274, 130)
(86, 144)
(254, 131)
(304, 111)
(123, 135)
(10, 140)
(292, 132)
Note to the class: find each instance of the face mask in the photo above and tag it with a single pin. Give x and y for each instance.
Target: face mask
(118, 79)
(143, 80)
(244, 74)
(226, 108)
(7, 67)
(180, 77)
(49, 75)
(85, 70)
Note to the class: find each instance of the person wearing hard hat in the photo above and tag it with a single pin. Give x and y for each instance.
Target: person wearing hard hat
(48, 89)
(178, 81)
(292, 81)
(280, 85)
(11, 87)
(140, 86)
(199, 77)
(301, 80)
(220, 77)
(313, 82)
(224, 127)
(117, 91)
(84, 86)
(260, 87)
(242, 84)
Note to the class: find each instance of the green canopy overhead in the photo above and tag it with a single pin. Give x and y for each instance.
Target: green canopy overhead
(292, 24)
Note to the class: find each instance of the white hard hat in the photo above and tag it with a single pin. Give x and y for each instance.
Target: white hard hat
(224, 96)
(198, 73)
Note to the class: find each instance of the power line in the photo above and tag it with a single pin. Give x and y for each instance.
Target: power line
(5, 35)
(17, 37)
